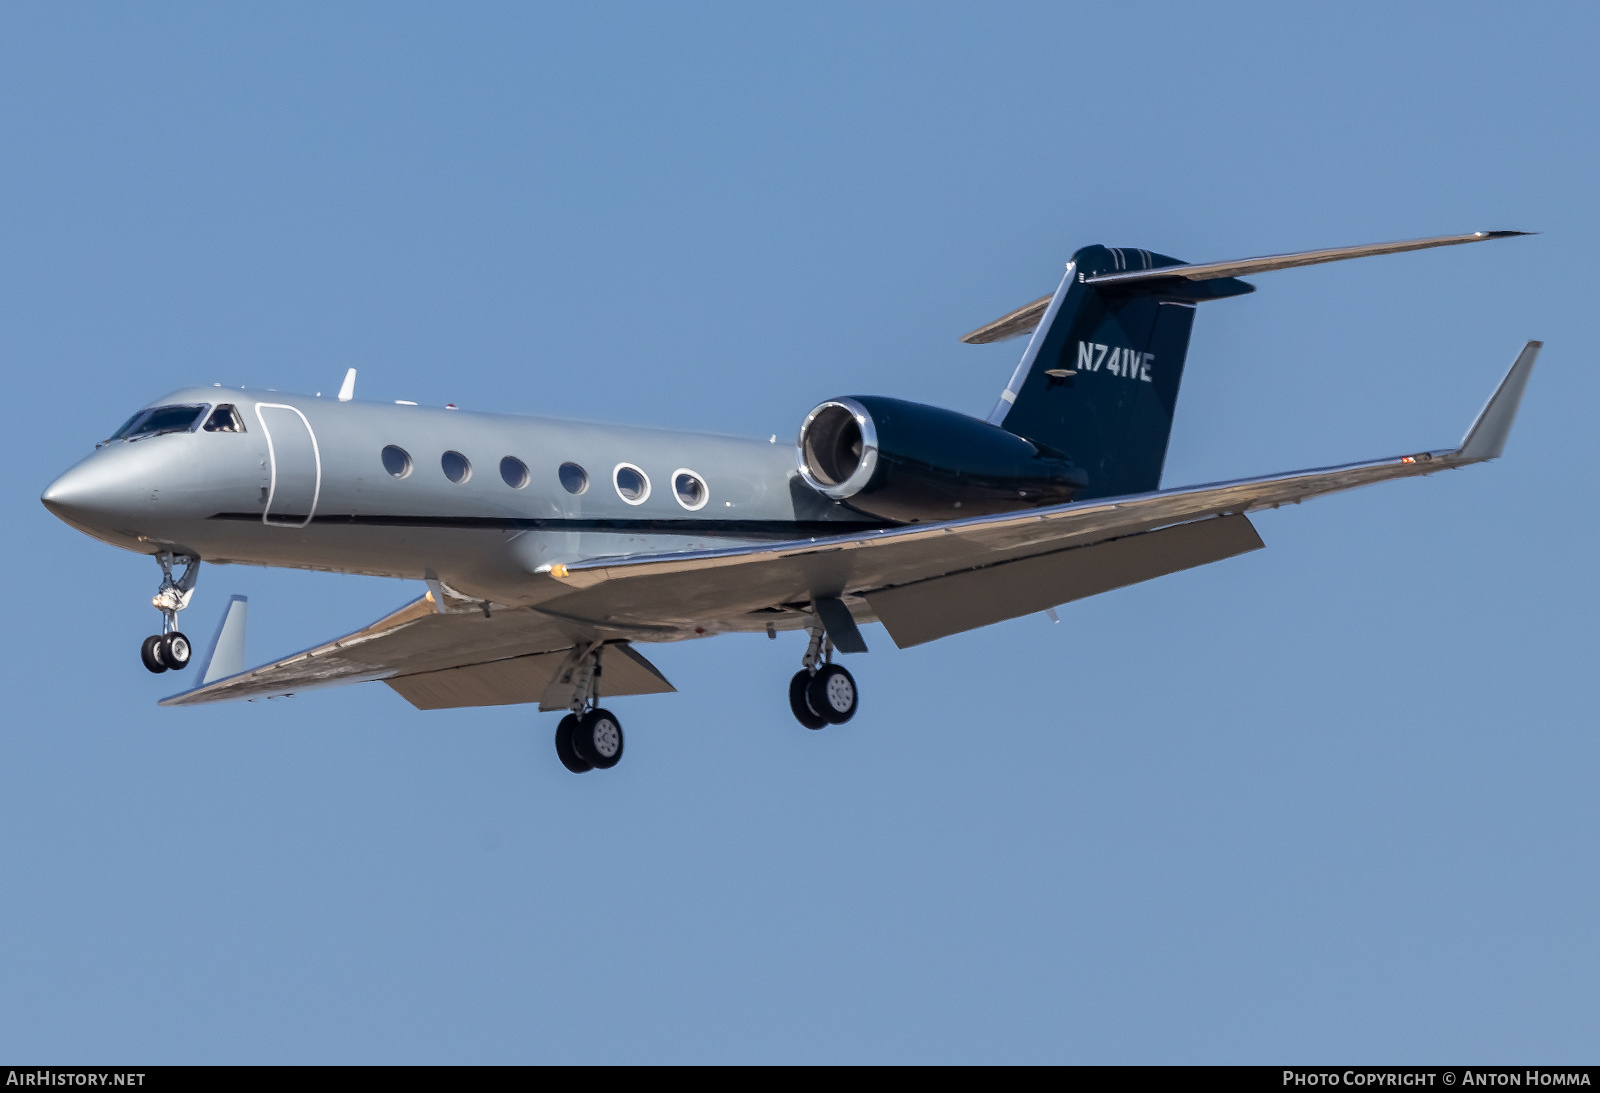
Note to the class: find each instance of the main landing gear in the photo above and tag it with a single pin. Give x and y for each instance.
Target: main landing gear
(170, 649)
(821, 692)
(588, 738)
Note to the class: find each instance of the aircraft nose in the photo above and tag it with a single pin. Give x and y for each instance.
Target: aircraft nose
(84, 492)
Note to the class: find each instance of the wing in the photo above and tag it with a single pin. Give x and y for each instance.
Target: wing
(927, 580)
(438, 659)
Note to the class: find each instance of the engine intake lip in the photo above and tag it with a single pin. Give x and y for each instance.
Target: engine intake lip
(837, 449)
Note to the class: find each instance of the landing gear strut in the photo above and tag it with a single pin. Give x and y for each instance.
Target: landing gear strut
(588, 738)
(821, 692)
(170, 649)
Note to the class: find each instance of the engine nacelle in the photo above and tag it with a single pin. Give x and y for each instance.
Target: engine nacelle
(909, 462)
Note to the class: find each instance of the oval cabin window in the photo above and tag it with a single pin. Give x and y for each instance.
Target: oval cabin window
(396, 461)
(457, 468)
(514, 471)
(633, 486)
(690, 489)
(574, 479)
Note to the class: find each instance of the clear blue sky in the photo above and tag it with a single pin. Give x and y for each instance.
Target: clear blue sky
(1331, 801)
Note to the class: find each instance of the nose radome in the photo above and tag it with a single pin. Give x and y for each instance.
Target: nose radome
(64, 494)
(92, 488)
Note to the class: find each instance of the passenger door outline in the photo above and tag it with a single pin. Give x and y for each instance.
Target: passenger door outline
(272, 462)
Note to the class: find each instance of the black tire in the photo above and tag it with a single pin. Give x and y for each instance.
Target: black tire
(598, 739)
(564, 752)
(151, 653)
(176, 651)
(832, 693)
(802, 710)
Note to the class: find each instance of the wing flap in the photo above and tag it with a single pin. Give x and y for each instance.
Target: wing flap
(517, 680)
(936, 608)
(497, 683)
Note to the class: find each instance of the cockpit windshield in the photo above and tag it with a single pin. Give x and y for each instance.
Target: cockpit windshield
(161, 419)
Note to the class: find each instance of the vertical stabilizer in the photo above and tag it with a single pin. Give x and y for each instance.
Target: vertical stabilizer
(1099, 380)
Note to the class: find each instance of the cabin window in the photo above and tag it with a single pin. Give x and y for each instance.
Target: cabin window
(514, 471)
(224, 419)
(690, 489)
(162, 419)
(574, 479)
(633, 486)
(396, 461)
(457, 467)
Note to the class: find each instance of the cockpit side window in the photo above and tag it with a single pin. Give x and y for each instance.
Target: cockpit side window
(224, 419)
(162, 419)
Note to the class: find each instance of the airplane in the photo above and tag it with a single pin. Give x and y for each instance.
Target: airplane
(552, 549)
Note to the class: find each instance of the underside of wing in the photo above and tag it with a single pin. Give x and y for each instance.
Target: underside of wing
(545, 678)
(435, 660)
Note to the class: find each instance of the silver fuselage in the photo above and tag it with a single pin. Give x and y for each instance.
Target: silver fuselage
(305, 486)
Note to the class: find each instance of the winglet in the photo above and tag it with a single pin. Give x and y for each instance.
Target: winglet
(1487, 437)
(226, 657)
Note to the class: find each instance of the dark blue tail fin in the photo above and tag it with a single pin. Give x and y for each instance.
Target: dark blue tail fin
(1099, 380)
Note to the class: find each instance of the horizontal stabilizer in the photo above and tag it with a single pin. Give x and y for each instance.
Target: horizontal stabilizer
(1024, 319)
(1013, 324)
(1244, 267)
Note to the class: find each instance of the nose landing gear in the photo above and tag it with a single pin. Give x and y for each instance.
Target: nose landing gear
(822, 692)
(588, 738)
(170, 649)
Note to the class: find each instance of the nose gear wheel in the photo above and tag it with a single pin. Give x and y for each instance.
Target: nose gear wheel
(151, 653)
(171, 650)
(176, 650)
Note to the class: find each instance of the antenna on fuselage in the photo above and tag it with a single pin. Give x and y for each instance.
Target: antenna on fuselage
(347, 389)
